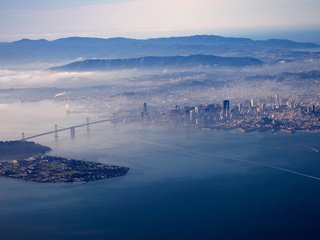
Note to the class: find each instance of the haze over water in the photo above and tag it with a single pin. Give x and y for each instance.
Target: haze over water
(182, 184)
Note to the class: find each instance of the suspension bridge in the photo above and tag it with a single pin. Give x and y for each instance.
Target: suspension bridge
(72, 129)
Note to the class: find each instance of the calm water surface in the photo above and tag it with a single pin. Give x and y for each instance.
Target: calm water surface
(182, 184)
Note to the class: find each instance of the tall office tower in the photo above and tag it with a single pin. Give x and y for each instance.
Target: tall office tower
(240, 107)
(192, 115)
(226, 107)
(277, 99)
(252, 103)
(145, 108)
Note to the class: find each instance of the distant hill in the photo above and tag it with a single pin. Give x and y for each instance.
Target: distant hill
(20, 149)
(81, 47)
(158, 62)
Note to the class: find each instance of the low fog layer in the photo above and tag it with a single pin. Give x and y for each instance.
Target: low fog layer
(114, 91)
(270, 67)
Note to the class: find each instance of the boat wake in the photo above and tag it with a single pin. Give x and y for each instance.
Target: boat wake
(314, 149)
(236, 159)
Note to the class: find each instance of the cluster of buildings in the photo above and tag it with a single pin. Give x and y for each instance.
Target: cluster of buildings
(272, 114)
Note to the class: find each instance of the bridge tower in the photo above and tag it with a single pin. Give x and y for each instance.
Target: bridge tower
(22, 136)
(73, 132)
(88, 124)
(114, 121)
(56, 131)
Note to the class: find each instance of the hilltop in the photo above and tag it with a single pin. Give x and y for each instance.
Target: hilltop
(69, 49)
(159, 62)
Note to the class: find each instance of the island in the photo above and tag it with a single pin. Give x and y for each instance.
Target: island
(27, 161)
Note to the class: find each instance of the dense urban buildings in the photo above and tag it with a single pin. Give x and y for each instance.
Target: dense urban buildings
(272, 114)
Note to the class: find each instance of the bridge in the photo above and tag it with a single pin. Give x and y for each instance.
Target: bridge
(71, 128)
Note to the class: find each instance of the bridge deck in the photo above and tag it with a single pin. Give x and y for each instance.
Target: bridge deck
(68, 128)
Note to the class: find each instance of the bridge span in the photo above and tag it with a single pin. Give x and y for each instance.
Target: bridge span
(71, 128)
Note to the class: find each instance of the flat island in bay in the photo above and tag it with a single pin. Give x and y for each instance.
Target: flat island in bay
(27, 161)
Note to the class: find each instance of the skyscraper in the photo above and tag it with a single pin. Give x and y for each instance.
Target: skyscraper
(145, 108)
(144, 113)
(251, 103)
(277, 98)
(226, 107)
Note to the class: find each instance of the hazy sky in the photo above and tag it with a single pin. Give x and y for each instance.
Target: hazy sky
(150, 18)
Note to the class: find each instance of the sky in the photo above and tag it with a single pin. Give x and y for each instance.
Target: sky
(153, 18)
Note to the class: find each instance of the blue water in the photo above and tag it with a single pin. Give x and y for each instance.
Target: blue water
(182, 184)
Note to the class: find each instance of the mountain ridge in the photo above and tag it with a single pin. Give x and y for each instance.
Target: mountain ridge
(192, 39)
(71, 48)
(156, 62)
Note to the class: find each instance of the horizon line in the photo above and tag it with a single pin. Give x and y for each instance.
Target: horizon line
(159, 37)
